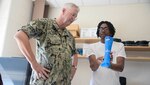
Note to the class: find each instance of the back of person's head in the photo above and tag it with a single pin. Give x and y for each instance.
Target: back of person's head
(111, 28)
(70, 5)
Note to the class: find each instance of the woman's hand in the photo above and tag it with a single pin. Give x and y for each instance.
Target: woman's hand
(100, 59)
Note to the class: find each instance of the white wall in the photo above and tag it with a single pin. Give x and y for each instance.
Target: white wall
(137, 72)
(4, 13)
(131, 21)
(17, 13)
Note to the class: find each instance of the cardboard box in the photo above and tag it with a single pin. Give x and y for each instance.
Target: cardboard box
(74, 30)
(74, 33)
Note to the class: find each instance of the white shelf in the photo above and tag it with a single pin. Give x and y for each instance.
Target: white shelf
(127, 48)
(130, 58)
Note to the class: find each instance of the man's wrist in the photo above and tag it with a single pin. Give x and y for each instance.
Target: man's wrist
(74, 66)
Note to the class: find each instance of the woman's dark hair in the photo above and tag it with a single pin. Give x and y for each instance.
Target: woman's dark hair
(110, 27)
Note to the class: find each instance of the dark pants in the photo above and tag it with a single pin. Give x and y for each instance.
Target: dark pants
(122, 80)
(1, 82)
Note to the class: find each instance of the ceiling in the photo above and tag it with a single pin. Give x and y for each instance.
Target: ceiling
(59, 3)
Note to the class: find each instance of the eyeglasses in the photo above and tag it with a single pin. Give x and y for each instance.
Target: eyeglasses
(74, 15)
(103, 28)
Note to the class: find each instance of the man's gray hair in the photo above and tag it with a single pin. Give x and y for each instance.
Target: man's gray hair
(70, 5)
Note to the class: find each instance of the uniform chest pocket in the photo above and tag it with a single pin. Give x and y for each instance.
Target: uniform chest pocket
(55, 40)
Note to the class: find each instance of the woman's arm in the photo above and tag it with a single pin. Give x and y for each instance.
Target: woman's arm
(119, 66)
(94, 63)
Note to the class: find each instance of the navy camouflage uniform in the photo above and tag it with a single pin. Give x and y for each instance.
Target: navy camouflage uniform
(54, 50)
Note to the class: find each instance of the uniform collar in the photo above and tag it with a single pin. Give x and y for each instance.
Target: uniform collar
(56, 27)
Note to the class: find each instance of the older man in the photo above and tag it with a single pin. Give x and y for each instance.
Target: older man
(53, 64)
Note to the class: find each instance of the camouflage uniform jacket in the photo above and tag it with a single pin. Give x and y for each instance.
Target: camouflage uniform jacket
(54, 50)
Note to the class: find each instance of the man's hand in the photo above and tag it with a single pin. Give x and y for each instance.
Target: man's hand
(41, 72)
(73, 71)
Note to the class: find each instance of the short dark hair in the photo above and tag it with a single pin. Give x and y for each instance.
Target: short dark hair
(110, 27)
